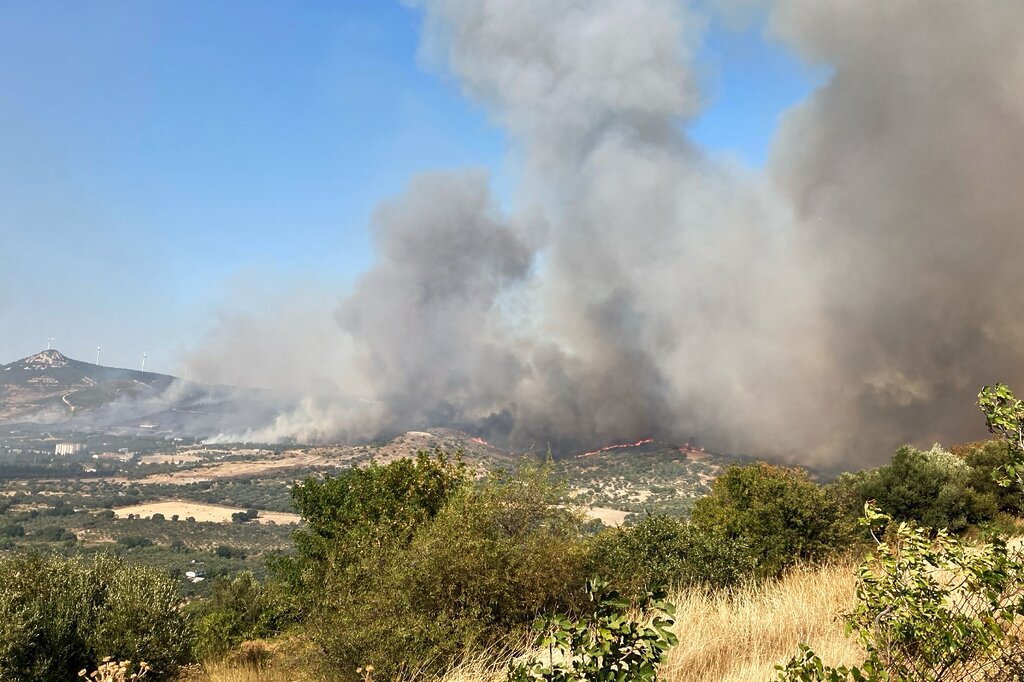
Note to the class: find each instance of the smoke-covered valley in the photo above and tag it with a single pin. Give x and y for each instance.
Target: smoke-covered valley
(851, 296)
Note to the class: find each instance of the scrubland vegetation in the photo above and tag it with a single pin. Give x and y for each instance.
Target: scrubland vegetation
(420, 569)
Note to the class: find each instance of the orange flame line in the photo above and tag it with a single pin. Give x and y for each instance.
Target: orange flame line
(645, 441)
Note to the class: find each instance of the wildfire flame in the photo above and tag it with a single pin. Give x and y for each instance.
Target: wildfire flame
(481, 441)
(645, 441)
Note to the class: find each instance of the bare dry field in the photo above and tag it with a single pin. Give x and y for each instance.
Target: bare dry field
(201, 512)
(292, 459)
(607, 516)
(170, 458)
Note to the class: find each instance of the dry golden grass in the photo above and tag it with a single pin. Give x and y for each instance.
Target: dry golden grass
(225, 672)
(740, 636)
(736, 636)
(284, 660)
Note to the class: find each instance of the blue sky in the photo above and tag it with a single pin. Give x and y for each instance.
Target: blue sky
(152, 154)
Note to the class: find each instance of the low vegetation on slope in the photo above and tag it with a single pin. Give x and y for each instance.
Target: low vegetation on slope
(417, 569)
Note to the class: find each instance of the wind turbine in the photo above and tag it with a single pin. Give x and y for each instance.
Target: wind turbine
(97, 355)
(49, 343)
(143, 362)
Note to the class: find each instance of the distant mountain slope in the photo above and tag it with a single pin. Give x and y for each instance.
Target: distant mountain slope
(50, 384)
(51, 388)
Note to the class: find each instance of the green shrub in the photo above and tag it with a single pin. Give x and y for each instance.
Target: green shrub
(419, 567)
(229, 552)
(59, 508)
(605, 645)
(54, 534)
(931, 487)
(238, 609)
(984, 459)
(12, 530)
(664, 550)
(493, 560)
(133, 541)
(779, 514)
(373, 506)
(58, 616)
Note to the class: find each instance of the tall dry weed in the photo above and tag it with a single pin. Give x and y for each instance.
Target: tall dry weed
(739, 635)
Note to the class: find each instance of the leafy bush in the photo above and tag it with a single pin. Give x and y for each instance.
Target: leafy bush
(12, 530)
(605, 645)
(984, 459)
(132, 541)
(239, 608)
(59, 616)
(777, 512)
(358, 525)
(54, 534)
(243, 517)
(933, 488)
(495, 559)
(373, 506)
(229, 552)
(663, 550)
(929, 610)
(59, 508)
(408, 566)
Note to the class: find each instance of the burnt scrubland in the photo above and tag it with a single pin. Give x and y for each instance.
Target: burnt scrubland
(427, 568)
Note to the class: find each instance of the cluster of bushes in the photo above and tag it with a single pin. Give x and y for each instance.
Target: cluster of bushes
(409, 566)
(59, 616)
(412, 564)
(245, 516)
(758, 520)
(939, 489)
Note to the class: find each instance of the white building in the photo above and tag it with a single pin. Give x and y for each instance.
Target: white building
(68, 448)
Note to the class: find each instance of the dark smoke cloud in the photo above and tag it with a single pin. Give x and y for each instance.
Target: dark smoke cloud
(852, 297)
(906, 172)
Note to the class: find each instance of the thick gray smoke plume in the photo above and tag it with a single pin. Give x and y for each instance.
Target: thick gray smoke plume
(906, 171)
(852, 297)
(431, 337)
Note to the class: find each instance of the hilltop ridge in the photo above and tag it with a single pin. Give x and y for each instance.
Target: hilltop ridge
(51, 388)
(49, 385)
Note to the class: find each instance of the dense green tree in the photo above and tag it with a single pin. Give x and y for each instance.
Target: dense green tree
(778, 512)
(367, 508)
(986, 458)
(932, 487)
